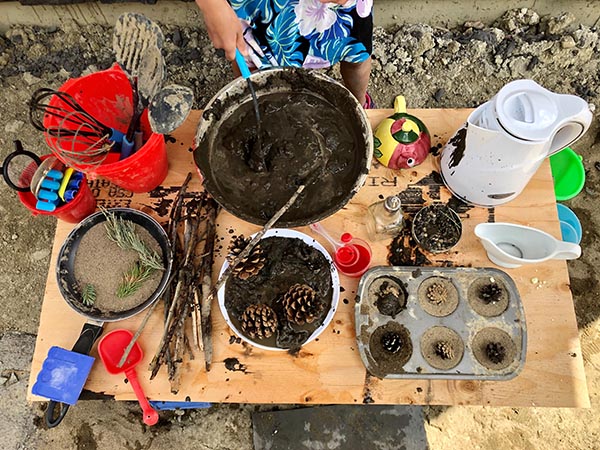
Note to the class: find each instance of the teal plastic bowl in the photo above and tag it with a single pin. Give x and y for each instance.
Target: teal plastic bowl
(568, 173)
(570, 225)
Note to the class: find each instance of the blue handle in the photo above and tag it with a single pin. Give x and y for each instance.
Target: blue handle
(116, 136)
(49, 196)
(45, 206)
(241, 62)
(70, 194)
(126, 147)
(51, 185)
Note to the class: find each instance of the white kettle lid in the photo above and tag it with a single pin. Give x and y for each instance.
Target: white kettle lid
(530, 112)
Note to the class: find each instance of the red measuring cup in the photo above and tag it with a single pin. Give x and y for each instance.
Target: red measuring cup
(111, 348)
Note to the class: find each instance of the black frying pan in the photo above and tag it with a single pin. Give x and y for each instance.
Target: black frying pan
(71, 291)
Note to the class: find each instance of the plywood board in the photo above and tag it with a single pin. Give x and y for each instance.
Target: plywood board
(329, 370)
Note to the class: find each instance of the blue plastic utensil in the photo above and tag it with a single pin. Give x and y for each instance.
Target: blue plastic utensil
(257, 157)
(245, 71)
(63, 375)
(241, 62)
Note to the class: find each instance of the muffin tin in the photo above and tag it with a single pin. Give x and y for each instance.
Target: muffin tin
(440, 322)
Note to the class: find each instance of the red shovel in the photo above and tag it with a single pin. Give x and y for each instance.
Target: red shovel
(111, 348)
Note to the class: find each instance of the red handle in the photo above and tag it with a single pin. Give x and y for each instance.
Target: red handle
(150, 415)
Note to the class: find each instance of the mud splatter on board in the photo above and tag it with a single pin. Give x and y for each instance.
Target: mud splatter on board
(404, 250)
(367, 397)
(161, 199)
(458, 141)
(234, 365)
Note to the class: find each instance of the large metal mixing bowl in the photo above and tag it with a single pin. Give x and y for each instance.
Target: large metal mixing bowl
(315, 204)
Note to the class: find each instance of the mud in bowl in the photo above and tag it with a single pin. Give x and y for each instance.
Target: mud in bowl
(296, 107)
(284, 295)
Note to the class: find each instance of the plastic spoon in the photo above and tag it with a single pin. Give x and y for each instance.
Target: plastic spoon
(257, 156)
(169, 108)
(111, 347)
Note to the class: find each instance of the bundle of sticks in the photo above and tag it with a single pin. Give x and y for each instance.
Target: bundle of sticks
(188, 297)
(192, 231)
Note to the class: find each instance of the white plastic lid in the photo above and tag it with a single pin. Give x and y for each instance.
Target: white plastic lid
(530, 112)
(527, 110)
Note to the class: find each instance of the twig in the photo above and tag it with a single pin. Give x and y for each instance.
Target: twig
(250, 246)
(172, 233)
(195, 322)
(136, 335)
(205, 277)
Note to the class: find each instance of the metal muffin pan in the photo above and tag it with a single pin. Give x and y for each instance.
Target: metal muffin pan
(470, 316)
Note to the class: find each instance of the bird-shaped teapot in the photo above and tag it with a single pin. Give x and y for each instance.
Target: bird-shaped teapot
(401, 141)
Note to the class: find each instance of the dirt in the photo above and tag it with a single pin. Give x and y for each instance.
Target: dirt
(481, 301)
(292, 155)
(438, 296)
(390, 296)
(434, 67)
(287, 262)
(442, 348)
(391, 347)
(437, 228)
(494, 348)
(305, 138)
(101, 263)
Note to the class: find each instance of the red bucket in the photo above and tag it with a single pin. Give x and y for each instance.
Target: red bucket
(82, 205)
(107, 96)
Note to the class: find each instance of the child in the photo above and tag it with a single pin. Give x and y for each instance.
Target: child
(297, 33)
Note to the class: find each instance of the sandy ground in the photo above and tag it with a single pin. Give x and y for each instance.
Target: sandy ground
(432, 67)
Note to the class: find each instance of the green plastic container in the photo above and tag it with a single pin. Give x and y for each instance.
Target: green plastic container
(568, 173)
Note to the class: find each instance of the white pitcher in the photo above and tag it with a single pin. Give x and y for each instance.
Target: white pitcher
(511, 245)
(490, 160)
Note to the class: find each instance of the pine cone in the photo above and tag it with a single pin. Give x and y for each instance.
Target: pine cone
(249, 266)
(437, 293)
(302, 305)
(444, 350)
(392, 342)
(259, 321)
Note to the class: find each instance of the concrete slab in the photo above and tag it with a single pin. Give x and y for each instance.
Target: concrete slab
(342, 427)
(387, 12)
(17, 430)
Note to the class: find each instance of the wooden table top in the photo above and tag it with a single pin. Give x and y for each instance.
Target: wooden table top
(330, 371)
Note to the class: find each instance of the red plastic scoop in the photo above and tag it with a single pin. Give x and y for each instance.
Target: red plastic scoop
(111, 348)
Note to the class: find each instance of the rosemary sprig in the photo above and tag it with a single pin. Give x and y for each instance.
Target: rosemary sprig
(88, 296)
(123, 233)
(133, 279)
(148, 257)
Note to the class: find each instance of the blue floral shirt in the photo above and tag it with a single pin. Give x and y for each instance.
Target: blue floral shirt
(306, 33)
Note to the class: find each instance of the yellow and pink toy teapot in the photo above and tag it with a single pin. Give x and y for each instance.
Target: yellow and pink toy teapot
(401, 141)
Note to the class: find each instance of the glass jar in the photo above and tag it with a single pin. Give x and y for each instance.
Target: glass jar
(385, 218)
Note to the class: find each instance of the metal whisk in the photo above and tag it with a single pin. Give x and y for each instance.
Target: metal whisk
(78, 148)
(76, 136)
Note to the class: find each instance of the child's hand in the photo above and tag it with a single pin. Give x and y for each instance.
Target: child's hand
(223, 27)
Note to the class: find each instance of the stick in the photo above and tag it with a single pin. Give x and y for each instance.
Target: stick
(205, 277)
(257, 237)
(135, 337)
